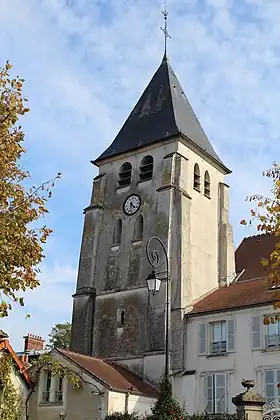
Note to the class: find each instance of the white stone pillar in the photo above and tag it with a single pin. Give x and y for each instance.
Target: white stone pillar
(249, 405)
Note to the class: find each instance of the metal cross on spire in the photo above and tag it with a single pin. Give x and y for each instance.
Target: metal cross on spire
(164, 29)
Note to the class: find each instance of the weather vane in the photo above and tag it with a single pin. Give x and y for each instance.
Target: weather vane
(164, 29)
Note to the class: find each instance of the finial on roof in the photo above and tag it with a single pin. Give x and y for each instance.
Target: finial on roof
(165, 30)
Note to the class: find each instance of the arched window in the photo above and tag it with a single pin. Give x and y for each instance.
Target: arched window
(117, 232)
(196, 177)
(146, 168)
(125, 175)
(138, 228)
(207, 184)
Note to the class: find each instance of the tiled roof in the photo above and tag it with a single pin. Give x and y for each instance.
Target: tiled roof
(112, 374)
(250, 289)
(237, 295)
(5, 346)
(250, 252)
(163, 111)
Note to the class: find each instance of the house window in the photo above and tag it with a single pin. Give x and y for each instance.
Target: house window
(216, 337)
(52, 389)
(47, 387)
(218, 340)
(146, 168)
(272, 335)
(196, 177)
(138, 228)
(59, 390)
(216, 393)
(124, 178)
(117, 235)
(207, 184)
(271, 380)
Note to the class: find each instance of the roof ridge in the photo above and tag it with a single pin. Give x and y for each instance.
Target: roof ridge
(86, 356)
(257, 235)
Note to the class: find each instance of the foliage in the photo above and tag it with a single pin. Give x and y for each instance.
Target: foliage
(166, 407)
(20, 245)
(46, 361)
(122, 416)
(207, 416)
(267, 215)
(11, 404)
(60, 336)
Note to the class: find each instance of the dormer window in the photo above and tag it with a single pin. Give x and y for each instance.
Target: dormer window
(196, 178)
(207, 184)
(125, 172)
(146, 168)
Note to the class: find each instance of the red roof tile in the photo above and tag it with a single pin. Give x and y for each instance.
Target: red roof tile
(250, 252)
(112, 374)
(237, 295)
(5, 346)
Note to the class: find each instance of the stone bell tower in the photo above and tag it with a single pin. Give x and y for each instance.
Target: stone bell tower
(160, 176)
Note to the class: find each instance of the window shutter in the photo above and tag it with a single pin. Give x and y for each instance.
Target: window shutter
(231, 335)
(220, 393)
(256, 331)
(270, 385)
(202, 339)
(209, 393)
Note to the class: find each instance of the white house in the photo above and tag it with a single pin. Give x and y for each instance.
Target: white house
(106, 387)
(227, 341)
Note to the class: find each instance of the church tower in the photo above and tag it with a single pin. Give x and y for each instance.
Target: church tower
(160, 176)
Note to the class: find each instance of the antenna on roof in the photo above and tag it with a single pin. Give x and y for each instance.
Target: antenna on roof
(164, 29)
(238, 276)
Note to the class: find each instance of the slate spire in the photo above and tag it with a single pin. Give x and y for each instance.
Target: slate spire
(163, 111)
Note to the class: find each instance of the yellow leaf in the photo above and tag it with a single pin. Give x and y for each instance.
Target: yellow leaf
(264, 262)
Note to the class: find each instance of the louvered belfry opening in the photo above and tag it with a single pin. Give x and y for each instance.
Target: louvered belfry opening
(207, 184)
(125, 175)
(146, 168)
(196, 177)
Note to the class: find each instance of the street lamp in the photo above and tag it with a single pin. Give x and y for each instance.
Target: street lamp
(153, 284)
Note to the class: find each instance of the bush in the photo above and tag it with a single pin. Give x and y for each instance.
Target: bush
(207, 416)
(166, 406)
(122, 416)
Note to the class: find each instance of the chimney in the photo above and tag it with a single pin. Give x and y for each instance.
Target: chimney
(33, 342)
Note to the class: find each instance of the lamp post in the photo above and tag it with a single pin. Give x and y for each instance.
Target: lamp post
(153, 283)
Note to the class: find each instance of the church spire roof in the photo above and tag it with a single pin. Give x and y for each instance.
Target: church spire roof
(163, 111)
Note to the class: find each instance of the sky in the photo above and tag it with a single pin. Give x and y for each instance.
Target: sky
(86, 63)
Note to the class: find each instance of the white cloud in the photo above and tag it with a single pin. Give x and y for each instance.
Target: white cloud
(49, 304)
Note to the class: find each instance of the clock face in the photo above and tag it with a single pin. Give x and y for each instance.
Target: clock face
(132, 204)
